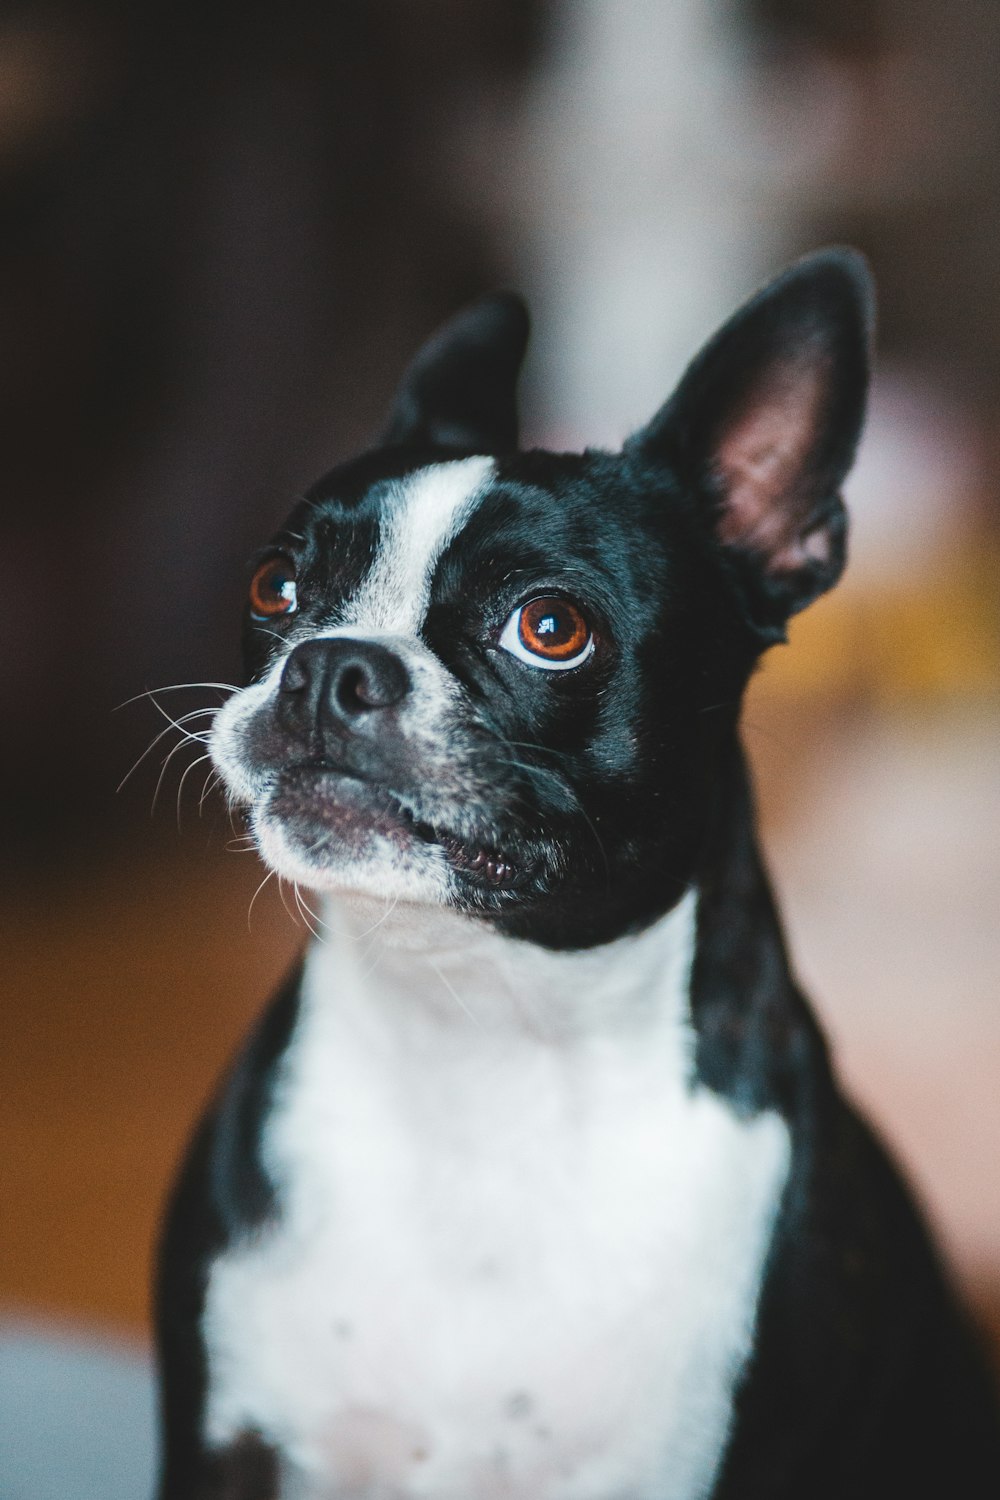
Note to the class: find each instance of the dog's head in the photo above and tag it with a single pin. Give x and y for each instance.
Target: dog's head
(500, 681)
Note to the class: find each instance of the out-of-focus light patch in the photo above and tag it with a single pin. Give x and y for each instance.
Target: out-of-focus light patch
(77, 1416)
(890, 885)
(913, 489)
(647, 206)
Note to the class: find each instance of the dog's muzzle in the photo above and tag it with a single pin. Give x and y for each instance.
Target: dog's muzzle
(334, 690)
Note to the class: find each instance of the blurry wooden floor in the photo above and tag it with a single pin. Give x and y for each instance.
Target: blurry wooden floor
(126, 986)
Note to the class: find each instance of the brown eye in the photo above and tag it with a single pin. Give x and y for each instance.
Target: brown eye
(272, 589)
(550, 633)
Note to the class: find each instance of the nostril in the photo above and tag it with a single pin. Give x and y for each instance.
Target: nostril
(294, 677)
(330, 682)
(352, 691)
(372, 679)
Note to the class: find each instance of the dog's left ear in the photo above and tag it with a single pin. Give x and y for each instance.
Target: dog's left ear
(460, 393)
(763, 429)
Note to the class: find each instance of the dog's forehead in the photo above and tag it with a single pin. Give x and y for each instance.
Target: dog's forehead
(418, 516)
(393, 533)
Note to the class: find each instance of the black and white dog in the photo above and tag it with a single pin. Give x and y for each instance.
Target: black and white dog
(534, 1181)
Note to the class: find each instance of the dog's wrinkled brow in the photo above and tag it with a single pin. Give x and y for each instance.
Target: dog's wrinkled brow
(419, 517)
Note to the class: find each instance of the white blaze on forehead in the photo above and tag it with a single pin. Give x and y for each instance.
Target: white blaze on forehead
(420, 516)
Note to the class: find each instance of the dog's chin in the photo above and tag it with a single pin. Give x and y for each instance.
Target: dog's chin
(336, 833)
(380, 866)
(342, 837)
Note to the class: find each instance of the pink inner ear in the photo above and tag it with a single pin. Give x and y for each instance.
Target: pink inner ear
(762, 466)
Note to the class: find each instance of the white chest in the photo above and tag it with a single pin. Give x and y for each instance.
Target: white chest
(518, 1255)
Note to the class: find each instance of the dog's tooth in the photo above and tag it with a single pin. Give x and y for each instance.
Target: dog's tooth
(490, 866)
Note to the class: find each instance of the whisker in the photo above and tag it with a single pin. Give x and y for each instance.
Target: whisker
(253, 898)
(201, 735)
(179, 746)
(305, 907)
(175, 687)
(538, 749)
(154, 742)
(456, 996)
(200, 761)
(390, 908)
(245, 842)
(284, 901)
(305, 910)
(211, 781)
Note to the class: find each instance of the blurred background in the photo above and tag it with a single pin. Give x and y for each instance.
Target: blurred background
(223, 230)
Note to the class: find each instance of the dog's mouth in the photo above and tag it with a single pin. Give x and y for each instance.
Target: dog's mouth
(328, 811)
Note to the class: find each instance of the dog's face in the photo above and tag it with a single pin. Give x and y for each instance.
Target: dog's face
(499, 681)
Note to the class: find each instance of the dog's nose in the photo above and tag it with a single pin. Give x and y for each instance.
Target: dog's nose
(339, 685)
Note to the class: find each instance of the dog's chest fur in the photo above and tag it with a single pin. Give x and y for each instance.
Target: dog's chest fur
(517, 1250)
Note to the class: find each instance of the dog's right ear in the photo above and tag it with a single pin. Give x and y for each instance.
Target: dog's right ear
(460, 393)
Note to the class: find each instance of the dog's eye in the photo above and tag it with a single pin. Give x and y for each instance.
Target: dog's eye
(549, 633)
(273, 590)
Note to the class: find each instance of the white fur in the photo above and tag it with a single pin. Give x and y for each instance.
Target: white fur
(242, 783)
(384, 869)
(419, 517)
(518, 1252)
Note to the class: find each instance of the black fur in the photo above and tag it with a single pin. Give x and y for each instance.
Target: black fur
(221, 1196)
(460, 391)
(607, 791)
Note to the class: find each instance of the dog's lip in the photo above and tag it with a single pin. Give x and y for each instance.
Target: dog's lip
(350, 786)
(477, 860)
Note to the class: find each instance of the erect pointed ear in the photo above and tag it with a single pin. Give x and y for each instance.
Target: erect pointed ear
(460, 393)
(763, 429)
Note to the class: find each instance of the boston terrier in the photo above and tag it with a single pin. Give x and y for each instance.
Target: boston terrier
(534, 1183)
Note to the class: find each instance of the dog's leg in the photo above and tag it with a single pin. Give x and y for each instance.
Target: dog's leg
(220, 1195)
(246, 1469)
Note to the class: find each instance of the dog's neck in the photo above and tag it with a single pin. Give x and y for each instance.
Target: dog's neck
(423, 966)
(419, 964)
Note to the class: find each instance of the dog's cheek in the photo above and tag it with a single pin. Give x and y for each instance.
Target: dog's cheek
(231, 745)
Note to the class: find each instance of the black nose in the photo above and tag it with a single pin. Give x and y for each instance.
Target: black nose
(337, 686)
